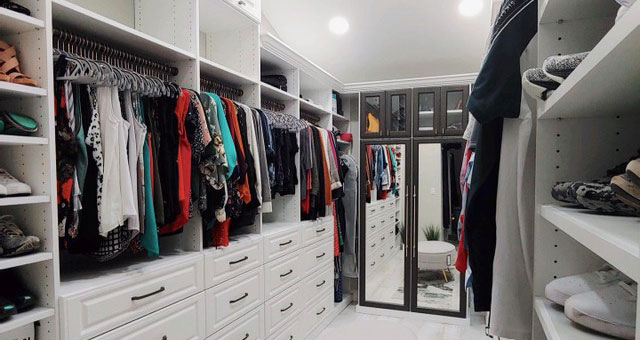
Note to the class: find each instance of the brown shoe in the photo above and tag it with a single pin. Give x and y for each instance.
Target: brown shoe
(633, 171)
(626, 191)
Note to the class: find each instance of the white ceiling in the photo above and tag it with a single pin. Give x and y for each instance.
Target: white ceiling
(388, 39)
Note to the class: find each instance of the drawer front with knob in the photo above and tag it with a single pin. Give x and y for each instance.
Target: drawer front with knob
(281, 274)
(282, 243)
(184, 320)
(283, 308)
(318, 284)
(316, 256)
(315, 232)
(234, 298)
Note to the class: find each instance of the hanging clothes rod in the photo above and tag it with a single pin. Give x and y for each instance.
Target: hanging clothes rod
(310, 118)
(90, 48)
(209, 85)
(272, 105)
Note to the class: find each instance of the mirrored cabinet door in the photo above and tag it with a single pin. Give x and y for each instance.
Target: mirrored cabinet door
(437, 286)
(372, 114)
(384, 267)
(426, 111)
(454, 113)
(398, 113)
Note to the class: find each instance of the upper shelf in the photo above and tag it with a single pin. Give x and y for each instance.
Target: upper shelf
(615, 239)
(16, 90)
(605, 83)
(314, 109)
(74, 17)
(12, 22)
(275, 93)
(554, 10)
(219, 72)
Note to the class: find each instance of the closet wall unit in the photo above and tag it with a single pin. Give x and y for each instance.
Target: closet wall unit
(274, 281)
(587, 126)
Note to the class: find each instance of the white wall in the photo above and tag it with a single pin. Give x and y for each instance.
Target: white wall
(429, 206)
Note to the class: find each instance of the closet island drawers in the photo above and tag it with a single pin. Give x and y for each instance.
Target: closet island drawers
(314, 257)
(313, 232)
(234, 298)
(243, 254)
(317, 284)
(248, 327)
(281, 242)
(91, 307)
(283, 308)
(282, 273)
(184, 320)
(315, 314)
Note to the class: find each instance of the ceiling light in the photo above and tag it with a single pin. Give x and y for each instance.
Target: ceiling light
(470, 8)
(338, 25)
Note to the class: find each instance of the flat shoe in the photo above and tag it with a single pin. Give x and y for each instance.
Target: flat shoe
(560, 67)
(537, 84)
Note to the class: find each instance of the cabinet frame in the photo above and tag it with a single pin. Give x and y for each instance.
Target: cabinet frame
(363, 115)
(437, 111)
(387, 132)
(442, 124)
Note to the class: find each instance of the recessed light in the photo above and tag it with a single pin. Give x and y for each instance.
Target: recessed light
(470, 8)
(338, 25)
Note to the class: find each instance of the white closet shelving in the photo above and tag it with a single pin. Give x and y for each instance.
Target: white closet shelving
(588, 125)
(215, 40)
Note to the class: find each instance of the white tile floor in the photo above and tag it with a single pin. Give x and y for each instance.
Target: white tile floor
(350, 325)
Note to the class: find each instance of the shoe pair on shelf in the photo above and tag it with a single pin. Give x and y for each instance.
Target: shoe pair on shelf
(12, 123)
(617, 193)
(13, 241)
(604, 301)
(14, 298)
(541, 82)
(11, 186)
(10, 67)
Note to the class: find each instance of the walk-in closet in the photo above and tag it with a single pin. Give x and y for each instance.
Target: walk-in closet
(319, 170)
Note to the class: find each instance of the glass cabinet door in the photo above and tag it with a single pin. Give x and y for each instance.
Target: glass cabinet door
(372, 120)
(398, 113)
(426, 111)
(455, 113)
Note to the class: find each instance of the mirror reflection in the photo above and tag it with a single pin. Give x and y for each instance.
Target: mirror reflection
(384, 228)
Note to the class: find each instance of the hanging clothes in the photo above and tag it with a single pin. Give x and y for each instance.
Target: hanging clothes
(350, 202)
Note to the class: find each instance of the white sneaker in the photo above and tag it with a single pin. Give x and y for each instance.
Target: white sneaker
(10, 186)
(611, 310)
(559, 290)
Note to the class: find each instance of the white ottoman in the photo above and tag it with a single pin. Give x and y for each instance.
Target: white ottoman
(436, 255)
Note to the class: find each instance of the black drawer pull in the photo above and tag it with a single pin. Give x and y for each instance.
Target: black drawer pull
(136, 298)
(320, 256)
(322, 311)
(286, 309)
(373, 264)
(373, 245)
(240, 298)
(382, 222)
(381, 256)
(238, 261)
(164, 337)
(286, 243)
(321, 284)
(246, 337)
(290, 337)
(383, 238)
(373, 226)
(287, 273)
(321, 230)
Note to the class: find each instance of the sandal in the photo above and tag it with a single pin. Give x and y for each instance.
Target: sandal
(10, 67)
(14, 7)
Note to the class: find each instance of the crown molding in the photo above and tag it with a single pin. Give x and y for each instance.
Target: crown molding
(396, 84)
(281, 50)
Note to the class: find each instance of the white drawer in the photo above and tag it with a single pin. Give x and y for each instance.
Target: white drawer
(373, 261)
(373, 241)
(234, 298)
(316, 256)
(317, 284)
(316, 313)
(315, 231)
(248, 327)
(184, 320)
(290, 332)
(282, 243)
(251, 8)
(128, 297)
(283, 308)
(281, 274)
(241, 256)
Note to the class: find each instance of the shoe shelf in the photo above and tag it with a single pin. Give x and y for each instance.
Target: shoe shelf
(22, 140)
(74, 17)
(339, 118)
(314, 109)
(614, 238)
(13, 262)
(557, 326)
(605, 83)
(23, 319)
(553, 11)
(269, 91)
(12, 22)
(22, 200)
(16, 90)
